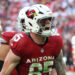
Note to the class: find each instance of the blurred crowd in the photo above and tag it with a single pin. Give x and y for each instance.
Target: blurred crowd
(64, 11)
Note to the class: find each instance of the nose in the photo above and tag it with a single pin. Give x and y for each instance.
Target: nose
(47, 21)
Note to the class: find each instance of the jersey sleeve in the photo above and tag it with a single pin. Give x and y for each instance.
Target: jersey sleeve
(17, 43)
(6, 36)
(59, 45)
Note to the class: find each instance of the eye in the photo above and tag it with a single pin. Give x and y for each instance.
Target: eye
(43, 20)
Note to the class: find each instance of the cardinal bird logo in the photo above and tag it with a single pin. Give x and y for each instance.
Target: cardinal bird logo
(31, 14)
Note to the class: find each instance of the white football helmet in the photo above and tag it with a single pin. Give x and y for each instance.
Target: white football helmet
(38, 19)
(21, 20)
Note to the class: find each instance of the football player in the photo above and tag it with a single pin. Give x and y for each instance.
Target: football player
(4, 48)
(6, 37)
(36, 52)
(4, 41)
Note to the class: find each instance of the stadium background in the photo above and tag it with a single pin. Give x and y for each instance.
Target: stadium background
(64, 10)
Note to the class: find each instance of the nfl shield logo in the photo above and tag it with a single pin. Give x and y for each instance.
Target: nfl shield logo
(42, 50)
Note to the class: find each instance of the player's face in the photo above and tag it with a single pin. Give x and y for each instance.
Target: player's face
(45, 23)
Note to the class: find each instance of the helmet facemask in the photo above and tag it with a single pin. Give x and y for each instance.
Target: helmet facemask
(45, 24)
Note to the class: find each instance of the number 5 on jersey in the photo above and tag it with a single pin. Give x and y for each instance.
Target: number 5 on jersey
(17, 37)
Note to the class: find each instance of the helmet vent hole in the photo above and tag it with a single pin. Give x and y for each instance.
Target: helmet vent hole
(48, 11)
(30, 24)
(24, 27)
(35, 18)
(40, 12)
(22, 21)
(40, 6)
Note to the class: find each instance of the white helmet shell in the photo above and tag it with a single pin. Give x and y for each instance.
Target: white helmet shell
(32, 15)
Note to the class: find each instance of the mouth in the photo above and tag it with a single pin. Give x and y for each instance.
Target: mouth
(47, 28)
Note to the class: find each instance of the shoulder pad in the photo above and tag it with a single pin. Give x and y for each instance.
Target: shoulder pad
(17, 41)
(8, 35)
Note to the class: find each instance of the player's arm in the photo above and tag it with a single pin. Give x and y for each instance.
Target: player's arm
(10, 63)
(4, 48)
(60, 65)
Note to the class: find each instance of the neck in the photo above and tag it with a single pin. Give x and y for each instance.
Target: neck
(38, 39)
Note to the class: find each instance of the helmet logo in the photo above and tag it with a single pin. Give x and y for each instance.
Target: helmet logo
(31, 14)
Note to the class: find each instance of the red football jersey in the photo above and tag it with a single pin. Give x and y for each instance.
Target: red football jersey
(6, 37)
(35, 59)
